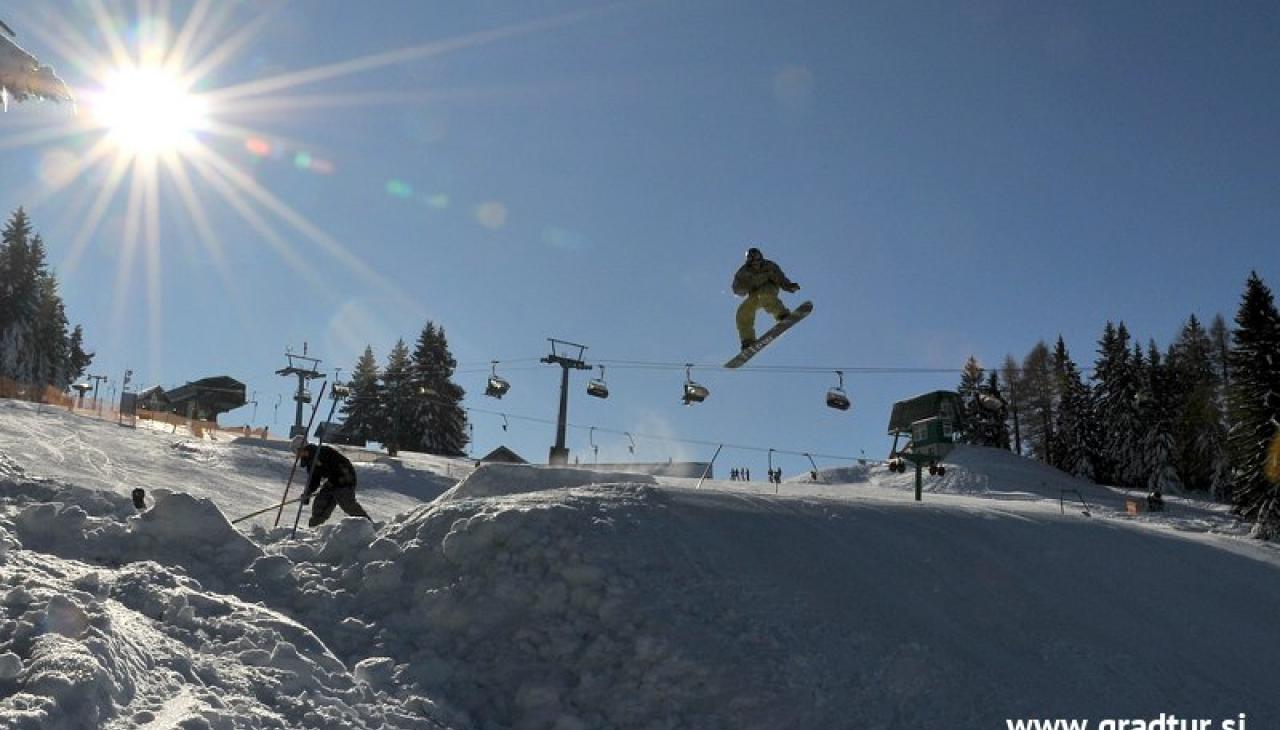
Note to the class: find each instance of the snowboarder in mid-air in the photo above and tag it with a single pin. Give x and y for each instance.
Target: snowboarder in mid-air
(759, 280)
(332, 481)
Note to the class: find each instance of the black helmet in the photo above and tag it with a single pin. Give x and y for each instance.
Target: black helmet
(754, 254)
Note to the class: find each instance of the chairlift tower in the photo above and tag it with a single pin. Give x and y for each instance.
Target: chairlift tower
(560, 356)
(304, 368)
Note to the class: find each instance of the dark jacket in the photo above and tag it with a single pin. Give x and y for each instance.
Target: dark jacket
(329, 467)
(755, 275)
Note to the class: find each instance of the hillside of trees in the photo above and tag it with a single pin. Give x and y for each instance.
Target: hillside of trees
(1198, 416)
(36, 346)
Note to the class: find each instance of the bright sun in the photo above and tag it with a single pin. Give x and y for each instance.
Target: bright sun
(150, 111)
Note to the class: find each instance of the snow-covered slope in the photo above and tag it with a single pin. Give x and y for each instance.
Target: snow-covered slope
(557, 598)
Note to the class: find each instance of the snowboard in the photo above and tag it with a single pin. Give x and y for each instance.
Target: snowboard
(796, 315)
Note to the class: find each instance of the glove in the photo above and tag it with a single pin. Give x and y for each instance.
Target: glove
(792, 287)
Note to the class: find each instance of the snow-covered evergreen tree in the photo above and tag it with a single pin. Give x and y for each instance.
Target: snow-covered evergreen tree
(397, 389)
(1219, 357)
(50, 343)
(1116, 384)
(439, 422)
(995, 423)
(971, 376)
(363, 411)
(1075, 446)
(1156, 412)
(1197, 419)
(1220, 353)
(1253, 402)
(19, 297)
(35, 346)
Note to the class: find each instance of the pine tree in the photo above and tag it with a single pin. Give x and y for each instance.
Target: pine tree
(969, 390)
(51, 356)
(35, 347)
(78, 360)
(21, 263)
(1112, 355)
(363, 411)
(439, 422)
(1253, 402)
(1220, 352)
(1197, 419)
(1219, 355)
(397, 388)
(1157, 416)
(1075, 446)
(1116, 390)
(995, 416)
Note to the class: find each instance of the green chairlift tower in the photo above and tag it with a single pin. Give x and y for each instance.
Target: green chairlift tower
(931, 422)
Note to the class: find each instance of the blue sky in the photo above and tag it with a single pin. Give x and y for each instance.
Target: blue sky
(943, 179)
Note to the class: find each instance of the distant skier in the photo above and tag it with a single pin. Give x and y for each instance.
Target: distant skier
(759, 280)
(332, 481)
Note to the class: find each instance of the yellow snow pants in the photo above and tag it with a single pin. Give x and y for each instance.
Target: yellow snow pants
(766, 298)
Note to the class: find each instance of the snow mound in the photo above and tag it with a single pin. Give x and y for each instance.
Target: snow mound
(195, 526)
(983, 470)
(142, 646)
(499, 480)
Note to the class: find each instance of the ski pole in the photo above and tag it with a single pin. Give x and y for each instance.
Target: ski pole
(263, 510)
(319, 443)
(298, 455)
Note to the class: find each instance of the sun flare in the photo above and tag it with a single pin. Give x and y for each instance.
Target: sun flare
(150, 111)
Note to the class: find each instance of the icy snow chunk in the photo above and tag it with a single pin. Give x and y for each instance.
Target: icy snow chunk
(63, 616)
(10, 665)
(375, 671)
(383, 576)
(345, 540)
(271, 568)
(382, 549)
(179, 612)
(17, 596)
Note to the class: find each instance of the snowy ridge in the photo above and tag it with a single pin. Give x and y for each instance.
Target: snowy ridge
(528, 597)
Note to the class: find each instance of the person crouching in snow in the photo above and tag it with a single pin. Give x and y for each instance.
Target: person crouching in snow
(759, 280)
(332, 481)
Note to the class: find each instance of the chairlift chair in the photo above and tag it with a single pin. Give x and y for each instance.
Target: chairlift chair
(497, 386)
(693, 392)
(598, 387)
(836, 397)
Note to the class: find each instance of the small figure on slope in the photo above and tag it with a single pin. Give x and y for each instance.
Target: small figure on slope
(332, 481)
(759, 280)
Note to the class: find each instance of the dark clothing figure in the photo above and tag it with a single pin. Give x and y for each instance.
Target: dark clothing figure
(332, 482)
(759, 280)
